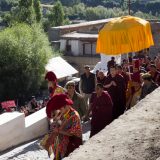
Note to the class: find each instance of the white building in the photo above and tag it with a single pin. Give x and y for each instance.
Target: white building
(78, 44)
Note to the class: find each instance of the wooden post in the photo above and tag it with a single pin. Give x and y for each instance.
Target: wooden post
(129, 7)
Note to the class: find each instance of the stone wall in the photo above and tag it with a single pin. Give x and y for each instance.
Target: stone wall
(16, 129)
(79, 62)
(134, 136)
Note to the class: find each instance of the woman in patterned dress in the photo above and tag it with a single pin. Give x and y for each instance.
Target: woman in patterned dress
(53, 86)
(67, 134)
(54, 89)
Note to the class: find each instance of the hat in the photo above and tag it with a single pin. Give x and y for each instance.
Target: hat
(56, 102)
(87, 66)
(70, 83)
(50, 76)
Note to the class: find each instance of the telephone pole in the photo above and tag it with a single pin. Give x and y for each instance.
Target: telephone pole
(129, 7)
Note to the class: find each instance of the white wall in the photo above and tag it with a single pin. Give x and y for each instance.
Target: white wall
(80, 48)
(88, 49)
(16, 129)
(75, 47)
(35, 125)
(62, 45)
(11, 129)
(94, 49)
(102, 65)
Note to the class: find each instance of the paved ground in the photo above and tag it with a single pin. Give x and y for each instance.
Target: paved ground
(32, 151)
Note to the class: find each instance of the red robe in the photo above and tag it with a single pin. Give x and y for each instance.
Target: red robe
(102, 81)
(117, 94)
(126, 78)
(101, 112)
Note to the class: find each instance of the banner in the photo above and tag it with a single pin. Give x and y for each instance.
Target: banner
(8, 104)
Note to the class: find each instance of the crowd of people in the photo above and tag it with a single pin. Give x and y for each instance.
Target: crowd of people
(32, 106)
(102, 98)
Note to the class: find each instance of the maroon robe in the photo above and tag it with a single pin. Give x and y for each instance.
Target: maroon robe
(126, 78)
(102, 81)
(101, 112)
(117, 94)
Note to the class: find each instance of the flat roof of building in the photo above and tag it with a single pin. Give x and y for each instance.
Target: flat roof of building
(83, 24)
(46, 5)
(80, 36)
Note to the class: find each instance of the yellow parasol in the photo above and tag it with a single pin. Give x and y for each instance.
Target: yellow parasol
(123, 35)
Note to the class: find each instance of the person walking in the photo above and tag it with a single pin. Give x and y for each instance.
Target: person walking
(53, 86)
(87, 84)
(67, 134)
(148, 85)
(101, 106)
(116, 87)
(78, 100)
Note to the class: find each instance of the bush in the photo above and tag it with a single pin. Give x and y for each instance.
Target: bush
(24, 52)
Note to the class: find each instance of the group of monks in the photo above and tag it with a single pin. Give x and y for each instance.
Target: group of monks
(115, 92)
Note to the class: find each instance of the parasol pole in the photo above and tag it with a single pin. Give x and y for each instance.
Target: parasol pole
(129, 7)
(129, 67)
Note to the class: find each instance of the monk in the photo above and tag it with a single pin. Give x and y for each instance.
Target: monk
(135, 90)
(124, 74)
(101, 106)
(115, 85)
(101, 78)
(134, 78)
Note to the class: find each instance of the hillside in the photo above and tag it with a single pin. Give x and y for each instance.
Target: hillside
(88, 10)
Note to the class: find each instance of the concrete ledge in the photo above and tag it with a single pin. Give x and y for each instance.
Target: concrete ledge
(36, 125)
(11, 129)
(15, 129)
(134, 136)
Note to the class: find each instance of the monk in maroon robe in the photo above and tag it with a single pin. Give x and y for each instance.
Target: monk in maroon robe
(115, 85)
(101, 78)
(101, 106)
(124, 74)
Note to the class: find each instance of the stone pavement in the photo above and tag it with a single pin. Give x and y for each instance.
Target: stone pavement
(32, 151)
(29, 151)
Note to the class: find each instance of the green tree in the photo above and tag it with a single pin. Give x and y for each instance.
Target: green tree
(37, 9)
(79, 10)
(56, 17)
(70, 2)
(26, 12)
(24, 52)
(91, 14)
